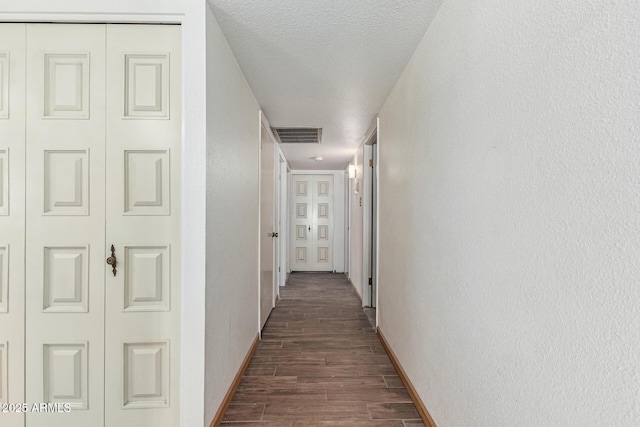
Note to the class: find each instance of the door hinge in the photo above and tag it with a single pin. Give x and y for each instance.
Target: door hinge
(371, 163)
(370, 281)
(278, 269)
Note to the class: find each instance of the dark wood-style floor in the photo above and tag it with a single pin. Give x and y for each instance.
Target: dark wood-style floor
(320, 363)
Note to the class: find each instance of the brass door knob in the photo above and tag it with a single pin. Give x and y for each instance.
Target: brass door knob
(112, 260)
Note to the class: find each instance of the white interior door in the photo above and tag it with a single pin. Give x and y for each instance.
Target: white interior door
(102, 168)
(65, 185)
(143, 225)
(312, 223)
(267, 229)
(374, 226)
(277, 241)
(12, 218)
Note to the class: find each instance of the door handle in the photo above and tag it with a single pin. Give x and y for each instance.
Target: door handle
(112, 260)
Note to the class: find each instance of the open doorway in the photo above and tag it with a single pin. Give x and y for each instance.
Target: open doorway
(369, 214)
(370, 226)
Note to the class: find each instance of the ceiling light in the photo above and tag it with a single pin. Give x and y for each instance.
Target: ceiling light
(317, 158)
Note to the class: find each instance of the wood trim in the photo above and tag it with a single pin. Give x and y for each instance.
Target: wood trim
(217, 419)
(422, 409)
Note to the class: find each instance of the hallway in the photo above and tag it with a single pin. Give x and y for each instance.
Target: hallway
(320, 363)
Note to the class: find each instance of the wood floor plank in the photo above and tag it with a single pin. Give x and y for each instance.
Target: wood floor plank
(393, 411)
(414, 423)
(300, 359)
(337, 382)
(260, 370)
(280, 395)
(322, 411)
(393, 381)
(357, 359)
(365, 370)
(267, 382)
(248, 412)
(385, 423)
(368, 394)
(257, 424)
(317, 371)
(320, 363)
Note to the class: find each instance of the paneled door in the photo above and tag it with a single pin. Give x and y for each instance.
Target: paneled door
(103, 131)
(12, 196)
(143, 170)
(65, 222)
(312, 223)
(143, 225)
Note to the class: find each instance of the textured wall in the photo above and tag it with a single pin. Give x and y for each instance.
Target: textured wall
(509, 223)
(233, 150)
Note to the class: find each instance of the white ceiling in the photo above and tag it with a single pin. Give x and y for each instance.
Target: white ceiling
(323, 63)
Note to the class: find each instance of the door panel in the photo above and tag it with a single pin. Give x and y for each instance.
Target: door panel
(301, 243)
(143, 224)
(146, 375)
(65, 374)
(312, 223)
(12, 218)
(65, 216)
(66, 182)
(267, 221)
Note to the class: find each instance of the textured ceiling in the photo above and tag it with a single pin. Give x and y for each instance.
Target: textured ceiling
(323, 63)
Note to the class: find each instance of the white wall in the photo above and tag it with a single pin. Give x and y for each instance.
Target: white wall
(191, 14)
(233, 182)
(338, 214)
(509, 201)
(356, 219)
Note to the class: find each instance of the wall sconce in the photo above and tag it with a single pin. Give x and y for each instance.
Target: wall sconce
(352, 171)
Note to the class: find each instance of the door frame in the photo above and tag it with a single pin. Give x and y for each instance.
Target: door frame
(347, 223)
(376, 241)
(370, 230)
(193, 178)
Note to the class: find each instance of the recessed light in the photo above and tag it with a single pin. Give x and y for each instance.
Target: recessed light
(317, 158)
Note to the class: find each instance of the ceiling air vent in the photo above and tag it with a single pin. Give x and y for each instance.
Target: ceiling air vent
(299, 135)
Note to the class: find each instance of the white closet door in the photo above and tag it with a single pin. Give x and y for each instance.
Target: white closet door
(312, 223)
(143, 225)
(12, 129)
(65, 222)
